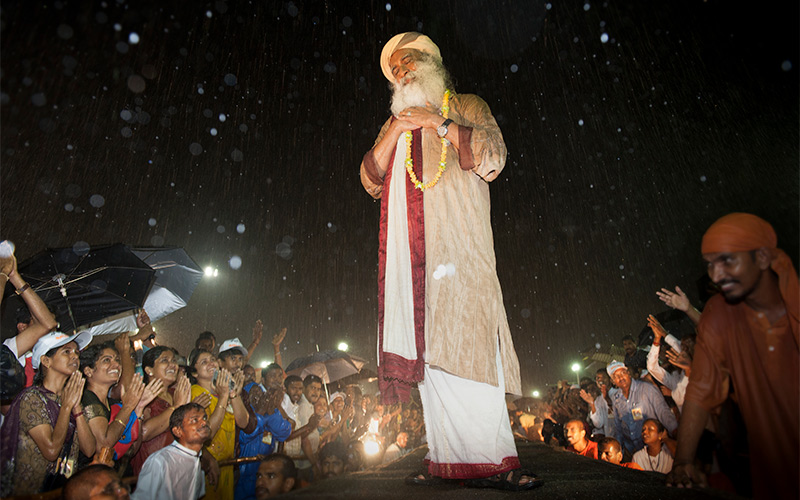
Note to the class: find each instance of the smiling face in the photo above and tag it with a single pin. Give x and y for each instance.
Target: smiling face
(403, 62)
(574, 432)
(205, 366)
(107, 368)
(165, 368)
(736, 274)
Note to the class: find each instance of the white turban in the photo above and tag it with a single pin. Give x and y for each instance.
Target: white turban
(410, 40)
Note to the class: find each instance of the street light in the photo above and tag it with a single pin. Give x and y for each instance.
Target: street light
(211, 272)
(577, 369)
(264, 364)
(343, 346)
(536, 394)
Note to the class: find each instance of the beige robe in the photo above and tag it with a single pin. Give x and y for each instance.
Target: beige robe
(464, 313)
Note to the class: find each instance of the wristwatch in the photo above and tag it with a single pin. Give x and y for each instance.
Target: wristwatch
(442, 129)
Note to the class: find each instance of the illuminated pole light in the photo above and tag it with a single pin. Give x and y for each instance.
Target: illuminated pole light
(577, 369)
(343, 346)
(264, 364)
(536, 394)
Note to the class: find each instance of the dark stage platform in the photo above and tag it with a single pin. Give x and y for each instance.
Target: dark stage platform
(566, 476)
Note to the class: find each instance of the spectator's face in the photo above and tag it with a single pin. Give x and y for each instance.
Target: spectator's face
(629, 346)
(206, 344)
(206, 365)
(602, 379)
(164, 368)
(338, 405)
(295, 390)
(107, 486)
(249, 374)
(402, 440)
(194, 429)
(574, 432)
(313, 391)
(106, 369)
(273, 378)
(65, 360)
(736, 274)
(232, 363)
(321, 406)
(270, 481)
(332, 467)
(610, 453)
(650, 434)
(622, 379)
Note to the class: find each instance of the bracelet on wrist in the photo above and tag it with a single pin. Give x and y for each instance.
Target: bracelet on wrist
(21, 290)
(4, 274)
(76, 415)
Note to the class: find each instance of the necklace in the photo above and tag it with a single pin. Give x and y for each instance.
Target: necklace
(658, 461)
(442, 159)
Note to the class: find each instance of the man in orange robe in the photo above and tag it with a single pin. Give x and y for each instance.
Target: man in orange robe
(747, 336)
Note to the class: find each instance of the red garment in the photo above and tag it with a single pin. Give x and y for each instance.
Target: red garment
(631, 465)
(735, 344)
(157, 407)
(590, 450)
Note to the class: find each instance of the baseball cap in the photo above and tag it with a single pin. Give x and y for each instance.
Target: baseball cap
(57, 339)
(614, 366)
(233, 344)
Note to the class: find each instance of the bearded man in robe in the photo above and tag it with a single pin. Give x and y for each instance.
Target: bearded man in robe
(441, 320)
(747, 340)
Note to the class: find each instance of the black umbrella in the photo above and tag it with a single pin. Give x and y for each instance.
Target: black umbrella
(177, 275)
(330, 365)
(83, 285)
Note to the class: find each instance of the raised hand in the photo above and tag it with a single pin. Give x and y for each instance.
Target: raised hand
(142, 319)
(133, 393)
(278, 337)
(203, 399)
(223, 381)
(123, 345)
(8, 265)
(183, 391)
(678, 359)
(586, 397)
(658, 329)
(151, 390)
(238, 383)
(72, 391)
(258, 331)
(676, 300)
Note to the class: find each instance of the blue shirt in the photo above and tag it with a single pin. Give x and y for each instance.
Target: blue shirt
(644, 401)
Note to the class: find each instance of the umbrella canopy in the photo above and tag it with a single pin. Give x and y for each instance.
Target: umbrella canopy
(83, 285)
(177, 275)
(330, 366)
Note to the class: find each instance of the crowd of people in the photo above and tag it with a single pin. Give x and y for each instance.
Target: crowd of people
(80, 413)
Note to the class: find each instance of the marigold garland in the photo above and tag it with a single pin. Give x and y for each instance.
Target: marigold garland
(442, 160)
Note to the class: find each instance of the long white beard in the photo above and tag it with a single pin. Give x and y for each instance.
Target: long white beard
(425, 86)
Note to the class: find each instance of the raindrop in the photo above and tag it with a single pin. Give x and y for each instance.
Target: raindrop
(133, 38)
(292, 9)
(69, 207)
(586, 6)
(604, 37)
(117, 27)
(243, 127)
(237, 155)
(81, 248)
(347, 22)
(222, 117)
(329, 67)
(332, 227)
(126, 115)
(157, 241)
(136, 84)
(195, 148)
(39, 99)
(240, 228)
(213, 132)
(220, 229)
(65, 31)
(703, 178)
(208, 14)
(580, 122)
(514, 68)
(388, 7)
(621, 267)
(151, 222)
(597, 345)
(283, 250)
(126, 132)
(97, 201)
(786, 65)
(525, 313)
(230, 80)
(450, 268)
(235, 262)
(200, 90)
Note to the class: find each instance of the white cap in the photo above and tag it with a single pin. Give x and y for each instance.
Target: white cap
(233, 344)
(57, 339)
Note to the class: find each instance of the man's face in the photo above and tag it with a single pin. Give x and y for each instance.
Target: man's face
(401, 63)
(312, 392)
(622, 379)
(206, 344)
(736, 274)
(249, 374)
(295, 390)
(402, 440)
(270, 481)
(107, 486)
(602, 379)
(274, 378)
(194, 429)
(232, 362)
(610, 453)
(629, 346)
(574, 432)
(332, 467)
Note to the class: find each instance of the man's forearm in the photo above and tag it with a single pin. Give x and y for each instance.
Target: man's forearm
(693, 421)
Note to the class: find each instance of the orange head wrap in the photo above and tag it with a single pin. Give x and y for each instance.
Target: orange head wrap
(740, 232)
(410, 40)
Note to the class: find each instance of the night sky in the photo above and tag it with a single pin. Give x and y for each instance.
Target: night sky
(235, 130)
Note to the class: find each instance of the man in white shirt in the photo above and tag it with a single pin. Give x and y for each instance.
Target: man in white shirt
(173, 472)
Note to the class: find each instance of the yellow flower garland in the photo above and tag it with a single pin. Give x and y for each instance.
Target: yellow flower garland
(442, 160)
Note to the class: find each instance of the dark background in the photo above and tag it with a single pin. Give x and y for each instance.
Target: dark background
(621, 153)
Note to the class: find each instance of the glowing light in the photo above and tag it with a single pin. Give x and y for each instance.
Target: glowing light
(576, 367)
(264, 364)
(343, 346)
(536, 394)
(371, 447)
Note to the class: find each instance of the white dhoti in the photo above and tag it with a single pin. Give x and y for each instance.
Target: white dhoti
(467, 425)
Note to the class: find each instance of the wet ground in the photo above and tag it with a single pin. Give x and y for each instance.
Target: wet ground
(565, 476)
